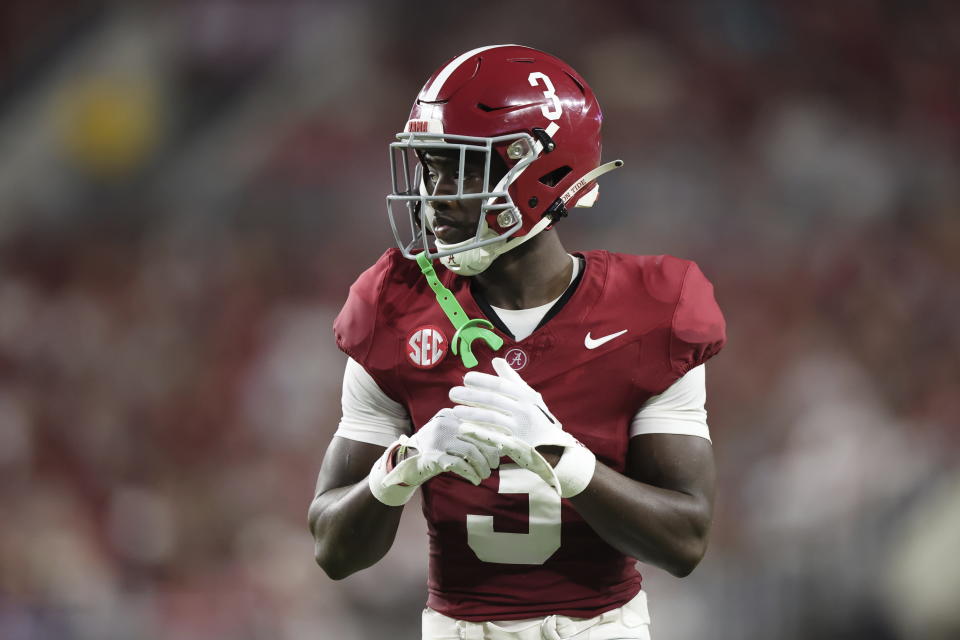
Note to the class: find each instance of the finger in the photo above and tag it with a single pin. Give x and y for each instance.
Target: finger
(514, 448)
(487, 447)
(410, 472)
(474, 397)
(490, 452)
(517, 450)
(480, 433)
(474, 457)
(393, 477)
(542, 468)
(507, 372)
(479, 380)
(486, 417)
(460, 467)
(539, 465)
(444, 421)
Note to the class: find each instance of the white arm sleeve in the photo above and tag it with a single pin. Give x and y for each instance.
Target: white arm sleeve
(368, 414)
(680, 409)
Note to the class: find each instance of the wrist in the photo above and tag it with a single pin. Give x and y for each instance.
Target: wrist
(551, 454)
(397, 453)
(575, 470)
(384, 483)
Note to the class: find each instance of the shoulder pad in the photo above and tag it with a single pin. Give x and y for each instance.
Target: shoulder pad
(364, 316)
(698, 329)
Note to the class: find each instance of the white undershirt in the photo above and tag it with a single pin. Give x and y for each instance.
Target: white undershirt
(369, 415)
(522, 322)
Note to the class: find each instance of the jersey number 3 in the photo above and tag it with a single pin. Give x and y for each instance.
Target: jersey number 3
(543, 538)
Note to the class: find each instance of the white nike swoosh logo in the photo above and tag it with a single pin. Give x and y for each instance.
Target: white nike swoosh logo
(590, 343)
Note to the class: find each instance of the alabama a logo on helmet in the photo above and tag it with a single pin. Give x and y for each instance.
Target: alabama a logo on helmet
(426, 346)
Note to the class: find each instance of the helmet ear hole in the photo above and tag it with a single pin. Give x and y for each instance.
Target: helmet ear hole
(554, 177)
(576, 82)
(498, 168)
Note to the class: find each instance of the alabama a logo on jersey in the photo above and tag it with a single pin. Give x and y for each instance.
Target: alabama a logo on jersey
(516, 358)
(426, 346)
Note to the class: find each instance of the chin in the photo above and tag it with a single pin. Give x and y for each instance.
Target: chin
(453, 238)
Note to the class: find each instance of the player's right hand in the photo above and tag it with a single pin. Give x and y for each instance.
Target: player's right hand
(436, 448)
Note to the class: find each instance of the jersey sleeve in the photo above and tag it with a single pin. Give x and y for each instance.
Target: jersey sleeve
(369, 415)
(698, 330)
(360, 323)
(681, 409)
(355, 326)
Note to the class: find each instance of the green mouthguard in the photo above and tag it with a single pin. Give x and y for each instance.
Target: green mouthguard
(467, 329)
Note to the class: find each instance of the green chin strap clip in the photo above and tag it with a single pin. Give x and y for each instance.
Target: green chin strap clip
(468, 329)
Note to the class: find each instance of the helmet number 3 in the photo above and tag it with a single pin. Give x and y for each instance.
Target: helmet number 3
(543, 538)
(554, 109)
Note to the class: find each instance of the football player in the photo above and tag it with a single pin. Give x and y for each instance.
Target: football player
(549, 405)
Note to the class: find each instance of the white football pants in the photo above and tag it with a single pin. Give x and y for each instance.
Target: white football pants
(629, 622)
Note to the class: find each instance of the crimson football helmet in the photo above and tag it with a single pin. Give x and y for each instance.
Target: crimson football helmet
(532, 110)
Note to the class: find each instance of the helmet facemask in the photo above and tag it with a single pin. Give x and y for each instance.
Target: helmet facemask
(499, 216)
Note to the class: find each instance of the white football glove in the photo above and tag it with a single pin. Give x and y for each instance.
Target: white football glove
(439, 448)
(506, 412)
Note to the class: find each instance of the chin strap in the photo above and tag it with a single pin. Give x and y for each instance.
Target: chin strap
(467, 330)
(559, 207)
(589, 177)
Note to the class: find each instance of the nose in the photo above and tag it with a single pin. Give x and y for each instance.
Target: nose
(445, 186)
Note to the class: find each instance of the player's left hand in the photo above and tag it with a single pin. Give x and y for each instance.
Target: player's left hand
(504, 411)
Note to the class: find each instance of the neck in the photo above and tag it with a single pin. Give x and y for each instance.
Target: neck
(533, 274)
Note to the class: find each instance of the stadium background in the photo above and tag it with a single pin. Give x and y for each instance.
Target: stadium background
(187, 189)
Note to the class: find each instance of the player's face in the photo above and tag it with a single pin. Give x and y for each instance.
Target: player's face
(456, 219)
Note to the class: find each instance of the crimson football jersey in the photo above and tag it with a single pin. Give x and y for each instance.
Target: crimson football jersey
(627, 329)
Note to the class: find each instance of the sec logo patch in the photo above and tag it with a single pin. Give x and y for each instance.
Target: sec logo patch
(426, 346)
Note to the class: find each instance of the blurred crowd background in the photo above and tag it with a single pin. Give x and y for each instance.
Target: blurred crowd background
(188, 188)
